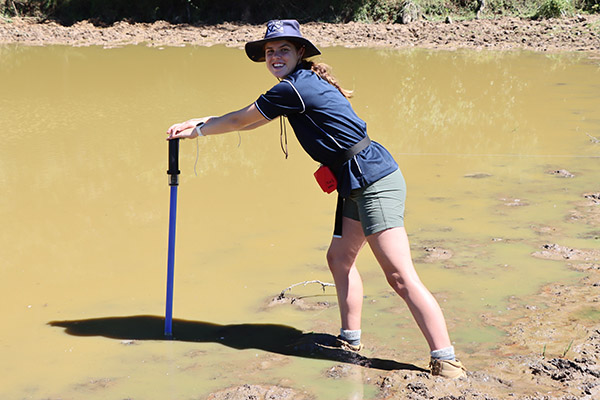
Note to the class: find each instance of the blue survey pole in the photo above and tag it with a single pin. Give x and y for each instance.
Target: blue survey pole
(173, 173)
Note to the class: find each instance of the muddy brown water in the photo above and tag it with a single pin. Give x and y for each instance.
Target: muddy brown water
(479, 136)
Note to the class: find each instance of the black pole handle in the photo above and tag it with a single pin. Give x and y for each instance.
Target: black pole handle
(173, 170)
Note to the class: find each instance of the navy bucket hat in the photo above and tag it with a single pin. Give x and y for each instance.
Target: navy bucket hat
(284, 29)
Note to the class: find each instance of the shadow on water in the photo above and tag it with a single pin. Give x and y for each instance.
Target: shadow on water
(273, 338)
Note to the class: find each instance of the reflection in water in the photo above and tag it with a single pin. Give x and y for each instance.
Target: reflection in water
(85, 202)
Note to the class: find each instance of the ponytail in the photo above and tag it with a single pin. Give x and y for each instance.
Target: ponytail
(324, 71)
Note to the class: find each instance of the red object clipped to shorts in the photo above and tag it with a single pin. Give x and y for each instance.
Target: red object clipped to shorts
(326, 179)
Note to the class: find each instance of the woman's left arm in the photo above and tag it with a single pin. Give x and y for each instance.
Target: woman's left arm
(245, 119)
(255, 125)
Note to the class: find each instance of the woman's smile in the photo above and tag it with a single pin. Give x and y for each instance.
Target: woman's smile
(282, 57)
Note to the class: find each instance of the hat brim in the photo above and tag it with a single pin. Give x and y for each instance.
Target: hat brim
(256, 50)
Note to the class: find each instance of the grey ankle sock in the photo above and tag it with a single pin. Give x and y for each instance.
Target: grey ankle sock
(446, 353)
(352, 337)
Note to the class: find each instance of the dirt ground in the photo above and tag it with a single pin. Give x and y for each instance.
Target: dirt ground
(553, 351)
(580, 33)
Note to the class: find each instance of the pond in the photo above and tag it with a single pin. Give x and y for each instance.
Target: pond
(480, 137)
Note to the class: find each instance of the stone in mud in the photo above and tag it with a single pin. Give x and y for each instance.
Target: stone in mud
(555, 251)
(97, 384)
(561, 173)
(434, 254)
(478, 175)
(588, 210)
(512, 202)
(593, 197)
(564, 370)
(340, 371)
(248, 391)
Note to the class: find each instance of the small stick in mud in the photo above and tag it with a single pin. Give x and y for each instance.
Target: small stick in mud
(323, 285)
(593, 139)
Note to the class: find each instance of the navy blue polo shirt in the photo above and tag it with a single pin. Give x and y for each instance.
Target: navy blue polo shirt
(325, 125)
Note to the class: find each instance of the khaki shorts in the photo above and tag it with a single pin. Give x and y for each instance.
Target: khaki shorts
(380, 205)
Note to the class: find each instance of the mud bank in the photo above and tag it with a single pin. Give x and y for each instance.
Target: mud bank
(551, 351)
(580, 33)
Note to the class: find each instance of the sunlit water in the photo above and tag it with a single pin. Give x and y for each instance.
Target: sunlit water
(84, 208)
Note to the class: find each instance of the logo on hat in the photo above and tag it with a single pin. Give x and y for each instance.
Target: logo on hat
(275, 26)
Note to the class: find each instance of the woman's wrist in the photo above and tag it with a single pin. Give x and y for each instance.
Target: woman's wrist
(195, 124)
(197, 129)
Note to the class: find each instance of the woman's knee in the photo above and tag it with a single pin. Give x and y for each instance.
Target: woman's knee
(402, 285)
(342, 252)
(396, 282)
(339, 259)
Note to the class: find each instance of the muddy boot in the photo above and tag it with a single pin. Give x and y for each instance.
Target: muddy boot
(347, 346)
(452, 369)
(338, 343)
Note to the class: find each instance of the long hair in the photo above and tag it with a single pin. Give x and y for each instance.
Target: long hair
(324, 71)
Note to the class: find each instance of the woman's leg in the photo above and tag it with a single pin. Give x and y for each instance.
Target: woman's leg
(341, 258)
(392, 251)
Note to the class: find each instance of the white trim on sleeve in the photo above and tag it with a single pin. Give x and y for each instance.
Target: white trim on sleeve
(261, 111)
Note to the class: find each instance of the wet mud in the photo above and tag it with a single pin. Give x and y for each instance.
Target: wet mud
(580, 33)
(244, 392)
(551, 351)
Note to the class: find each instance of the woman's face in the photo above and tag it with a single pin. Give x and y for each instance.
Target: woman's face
(282, 57)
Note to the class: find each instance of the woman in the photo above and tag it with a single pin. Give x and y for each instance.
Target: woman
(369, 182)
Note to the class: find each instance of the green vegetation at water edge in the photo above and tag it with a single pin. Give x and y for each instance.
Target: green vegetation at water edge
(259, 11)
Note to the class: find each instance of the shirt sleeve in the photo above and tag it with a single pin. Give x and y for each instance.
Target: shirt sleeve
(282, 99)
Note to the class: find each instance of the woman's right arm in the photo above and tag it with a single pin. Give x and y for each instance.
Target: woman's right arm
(244, 119)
